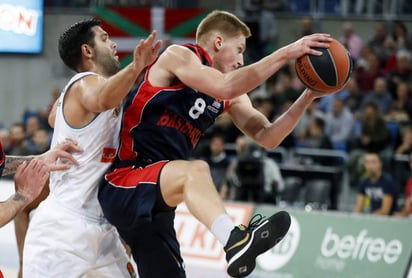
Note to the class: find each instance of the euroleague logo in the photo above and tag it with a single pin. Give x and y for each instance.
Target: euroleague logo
(280, 255)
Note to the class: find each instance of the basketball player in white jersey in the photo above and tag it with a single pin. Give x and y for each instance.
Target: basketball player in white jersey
(68, 235)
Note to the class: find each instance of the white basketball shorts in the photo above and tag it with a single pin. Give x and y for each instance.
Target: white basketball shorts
(63, 243)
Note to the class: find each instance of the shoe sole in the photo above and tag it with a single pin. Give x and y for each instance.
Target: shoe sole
(263, 238)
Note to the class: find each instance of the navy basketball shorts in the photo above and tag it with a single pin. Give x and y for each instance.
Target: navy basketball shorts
(131, 200)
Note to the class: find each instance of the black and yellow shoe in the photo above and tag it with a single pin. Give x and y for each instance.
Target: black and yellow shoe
(246, 243)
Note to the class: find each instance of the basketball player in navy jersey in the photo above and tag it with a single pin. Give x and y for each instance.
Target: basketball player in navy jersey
(180, 96)
(31, 174)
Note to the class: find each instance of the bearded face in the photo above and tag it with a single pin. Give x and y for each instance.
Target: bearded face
(104, 52)
(108, 61)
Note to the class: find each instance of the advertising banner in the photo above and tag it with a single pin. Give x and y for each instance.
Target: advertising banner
(339, 245)
(21, 26)
(318, 244)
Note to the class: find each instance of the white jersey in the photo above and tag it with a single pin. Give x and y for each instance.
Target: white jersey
(68, 235)
(76, 189)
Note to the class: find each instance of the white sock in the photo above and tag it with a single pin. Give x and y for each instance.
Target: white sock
(221, 228)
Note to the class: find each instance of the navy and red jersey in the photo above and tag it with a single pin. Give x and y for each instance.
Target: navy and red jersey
(2, 159)
(166, 123)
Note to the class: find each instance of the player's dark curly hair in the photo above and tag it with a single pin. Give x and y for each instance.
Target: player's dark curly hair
(73, 38)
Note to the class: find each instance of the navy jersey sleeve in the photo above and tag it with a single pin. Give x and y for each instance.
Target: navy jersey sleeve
(2, 159)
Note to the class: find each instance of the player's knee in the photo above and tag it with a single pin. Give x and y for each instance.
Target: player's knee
(199, 167)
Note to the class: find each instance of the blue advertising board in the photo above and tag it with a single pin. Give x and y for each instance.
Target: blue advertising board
(21, 26)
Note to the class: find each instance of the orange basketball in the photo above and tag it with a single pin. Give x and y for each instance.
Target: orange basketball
(328, 72)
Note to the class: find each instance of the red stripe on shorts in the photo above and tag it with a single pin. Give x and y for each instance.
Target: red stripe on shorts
(130, 177)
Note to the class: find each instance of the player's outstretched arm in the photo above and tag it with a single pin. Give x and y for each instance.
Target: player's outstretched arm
(101, 94)
(260, 129)
(184, 64)
(119, 85)
(29, 179)
(50, 158)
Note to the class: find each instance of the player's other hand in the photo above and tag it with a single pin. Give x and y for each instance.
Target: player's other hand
(314, 94)
(306, 44)
(30, 179)
(60, 157)
(147, 51)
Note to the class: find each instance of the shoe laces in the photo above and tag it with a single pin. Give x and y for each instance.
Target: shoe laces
(254, 222)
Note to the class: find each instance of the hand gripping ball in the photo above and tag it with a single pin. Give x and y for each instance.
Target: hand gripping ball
(328, 72)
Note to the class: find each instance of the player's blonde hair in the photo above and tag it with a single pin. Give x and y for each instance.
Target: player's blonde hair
(225, 23)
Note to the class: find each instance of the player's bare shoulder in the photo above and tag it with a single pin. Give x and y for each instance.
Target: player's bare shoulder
(177, 56)
(162, 73)
(176, 60)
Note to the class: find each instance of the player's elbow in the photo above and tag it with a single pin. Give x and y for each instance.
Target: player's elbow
(224, 87)
(220, 92)
(226, 93)
(269, 143)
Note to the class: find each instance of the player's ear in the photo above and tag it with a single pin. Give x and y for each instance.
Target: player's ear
(218, 42)
(86, 50)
